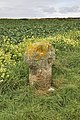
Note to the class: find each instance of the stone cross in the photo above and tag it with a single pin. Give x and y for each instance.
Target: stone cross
(40, 57)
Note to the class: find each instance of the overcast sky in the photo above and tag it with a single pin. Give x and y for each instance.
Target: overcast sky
(39, 8)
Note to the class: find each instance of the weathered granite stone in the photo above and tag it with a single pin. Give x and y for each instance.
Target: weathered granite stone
(40, 57)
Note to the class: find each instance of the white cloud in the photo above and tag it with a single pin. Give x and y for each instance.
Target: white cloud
(71, 9)
(39, 8)
(49, 10)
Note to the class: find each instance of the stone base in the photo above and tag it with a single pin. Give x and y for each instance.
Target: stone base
(42, 78)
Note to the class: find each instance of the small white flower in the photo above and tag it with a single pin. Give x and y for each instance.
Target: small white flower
(51, 89)
(1, 81)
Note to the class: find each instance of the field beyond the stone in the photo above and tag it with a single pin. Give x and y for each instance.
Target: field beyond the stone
(18, 100)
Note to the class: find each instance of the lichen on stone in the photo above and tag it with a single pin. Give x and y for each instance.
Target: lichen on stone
(40, 57)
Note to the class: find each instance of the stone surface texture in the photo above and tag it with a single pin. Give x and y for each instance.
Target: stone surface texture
(40, 57)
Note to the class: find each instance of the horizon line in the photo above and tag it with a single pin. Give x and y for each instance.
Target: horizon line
(38, 18)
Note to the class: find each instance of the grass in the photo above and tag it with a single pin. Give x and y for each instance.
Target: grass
(18, 100)
(21, 103)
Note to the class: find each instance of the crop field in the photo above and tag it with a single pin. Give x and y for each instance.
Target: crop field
(18, 100)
